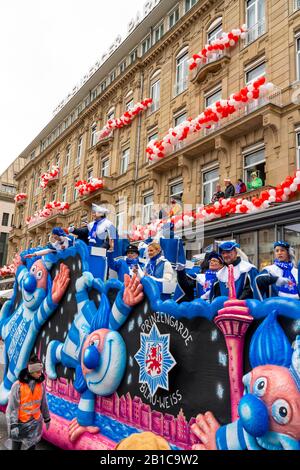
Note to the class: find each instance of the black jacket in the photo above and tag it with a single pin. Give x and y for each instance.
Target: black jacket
(229, 191)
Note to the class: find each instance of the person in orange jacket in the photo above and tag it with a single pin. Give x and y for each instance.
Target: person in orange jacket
(27, 407)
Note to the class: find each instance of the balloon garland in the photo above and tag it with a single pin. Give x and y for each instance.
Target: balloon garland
(46, 177)
(54, 207)
(20, 197)
(158, 149)
(8, 271)
(223, 208)
(124, 120)
(225, 41)
(87, 187)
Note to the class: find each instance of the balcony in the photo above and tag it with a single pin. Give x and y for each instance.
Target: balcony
(21, 202)
(101, 195)
(105, 141)
(214, 63)
(56, 219)
(52, 181)
(15, 234)
(234, 125)
(255, 32)
(7, 192)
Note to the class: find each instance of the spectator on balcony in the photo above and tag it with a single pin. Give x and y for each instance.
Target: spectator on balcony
(256, 182)
(244, 272)
(160, 270)
(280, 279)
(229, 188)
(218, 194)
(176, 206)
(240, 187)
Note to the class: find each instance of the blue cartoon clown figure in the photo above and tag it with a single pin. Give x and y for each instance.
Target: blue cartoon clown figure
(20, 328)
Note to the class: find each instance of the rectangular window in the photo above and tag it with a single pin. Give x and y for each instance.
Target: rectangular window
(147, 208)
(212, 98)
(129, 104)
(122, 66)
(155, 95)
(133, 56)
(176, 189)
(189, 4)
(64, 194)
(158, 33)
(215, 33)
(79, 151)
(255, 19)
(103, 86)
(210, 179)
(112, 76)
(90, 173)
(181, 74)
(250, 76)
(146, 44)
(174, 17)
(298, 148)
(75, 194)
(93, 135)
(5, 218)
(120, 218)
(254, 169)
(124, 161)
(153, 136)
(105, 167)
(111, 115)
(298, 57)
(67, 161)
(296, 5)
(57, 158)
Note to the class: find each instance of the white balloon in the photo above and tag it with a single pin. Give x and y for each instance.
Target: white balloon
(293, 187)
(272, 192)
(297, 180)
(272, 199)
(284, 197)
(287, 191)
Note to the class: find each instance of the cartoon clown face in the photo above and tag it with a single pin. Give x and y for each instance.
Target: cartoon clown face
(103, 361)
(275, 399)
(34, 286)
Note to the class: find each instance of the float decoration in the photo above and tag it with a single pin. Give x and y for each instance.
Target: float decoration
(158, 149)
(124, 120)
(50, 209)
(224, 207)
(52, 175)
(20, 197)
(226, 41)
(87, 187)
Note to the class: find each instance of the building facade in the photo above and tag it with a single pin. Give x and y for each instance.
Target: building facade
(152, 62)
(8, 191)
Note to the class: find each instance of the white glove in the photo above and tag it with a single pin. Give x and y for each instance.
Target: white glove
(282, 281)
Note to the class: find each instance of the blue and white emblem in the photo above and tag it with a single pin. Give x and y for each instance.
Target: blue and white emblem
(155, 360)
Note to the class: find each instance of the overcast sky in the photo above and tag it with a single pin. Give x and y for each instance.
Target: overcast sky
(46, 47)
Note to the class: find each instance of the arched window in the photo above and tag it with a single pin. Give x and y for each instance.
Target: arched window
(215, 30)
(155, 90)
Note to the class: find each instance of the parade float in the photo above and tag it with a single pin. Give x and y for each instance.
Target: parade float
(118, 360)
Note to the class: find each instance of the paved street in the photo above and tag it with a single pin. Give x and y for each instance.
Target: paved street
(43, 445)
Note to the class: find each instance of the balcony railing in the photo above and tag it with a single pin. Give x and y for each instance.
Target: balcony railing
(255, 32)
(210, 60)
(10, 190)
(296, 5)
(180, 87)
(275, 97)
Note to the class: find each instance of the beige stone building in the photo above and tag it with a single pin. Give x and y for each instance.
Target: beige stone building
(152, 62)
(8, 190)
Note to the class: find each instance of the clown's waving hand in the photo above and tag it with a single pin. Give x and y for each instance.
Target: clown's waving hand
(19, 329)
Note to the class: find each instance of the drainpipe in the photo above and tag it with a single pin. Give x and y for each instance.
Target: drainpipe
(138, 140)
